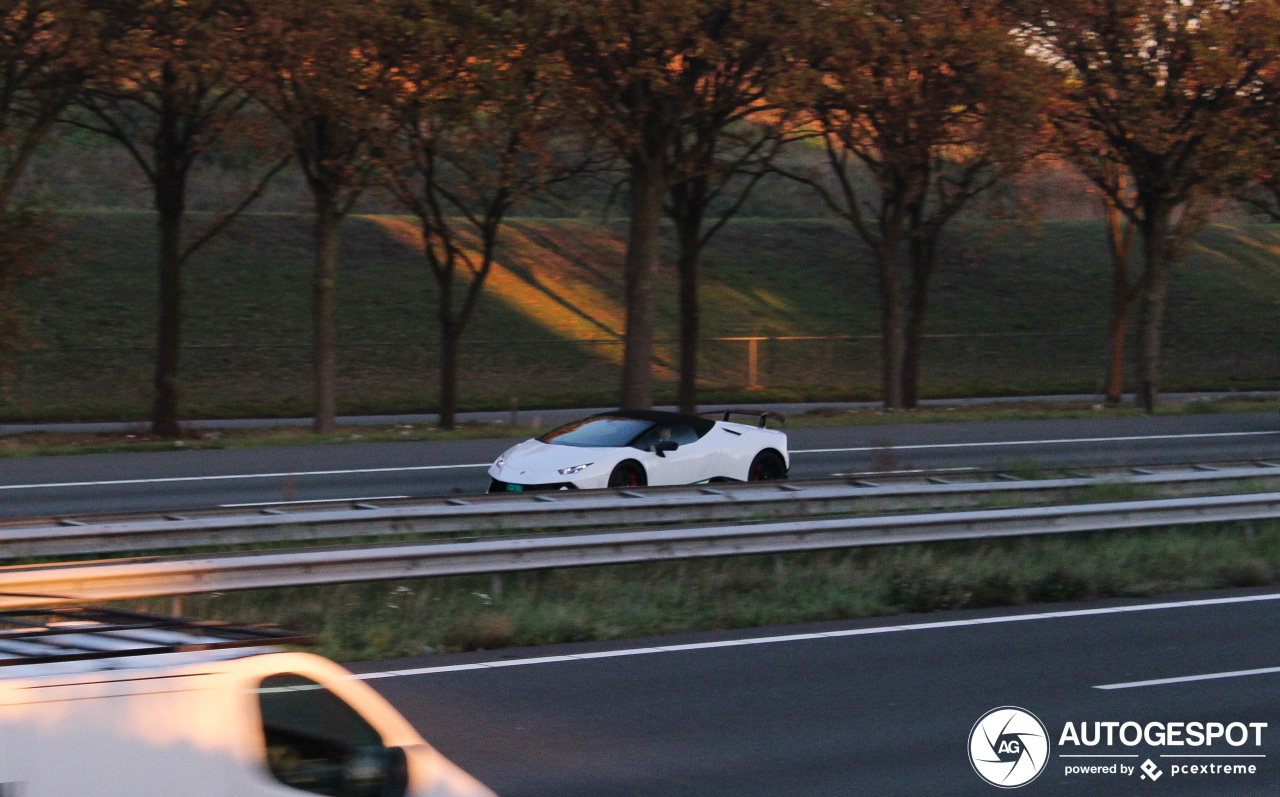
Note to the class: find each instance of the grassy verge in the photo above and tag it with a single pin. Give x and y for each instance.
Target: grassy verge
(1025, 411)
(378, 620)
(32, 444)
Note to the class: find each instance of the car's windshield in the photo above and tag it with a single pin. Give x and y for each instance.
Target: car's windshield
(604, 431)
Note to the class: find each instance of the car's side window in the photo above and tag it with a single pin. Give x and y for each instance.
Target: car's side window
(646, 441)
(318, 744)
(681, 433)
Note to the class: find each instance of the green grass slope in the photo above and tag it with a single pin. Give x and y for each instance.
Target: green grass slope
(1014, 311)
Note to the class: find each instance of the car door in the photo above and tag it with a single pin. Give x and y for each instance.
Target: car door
(689, 463)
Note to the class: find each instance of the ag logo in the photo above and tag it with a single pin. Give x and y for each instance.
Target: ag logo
(1008, 747)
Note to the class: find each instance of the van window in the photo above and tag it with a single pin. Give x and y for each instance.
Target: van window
(316, 743)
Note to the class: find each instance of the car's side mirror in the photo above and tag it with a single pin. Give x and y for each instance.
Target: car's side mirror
(664, 446)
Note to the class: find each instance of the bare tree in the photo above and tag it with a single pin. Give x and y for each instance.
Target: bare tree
(1163, 102)
(311, 75)
(922, 106)
(476, 99)
(657, 80)
(732, 162)
(171, 95)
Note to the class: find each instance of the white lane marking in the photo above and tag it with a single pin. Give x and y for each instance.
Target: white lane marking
(1183, 679)
(313, 501)
(1060, 441)
(904, 472)
(225, 477)
(350, 471)
(888, 629)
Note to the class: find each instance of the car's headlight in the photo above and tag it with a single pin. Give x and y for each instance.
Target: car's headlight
(575, 469)
(502, 460)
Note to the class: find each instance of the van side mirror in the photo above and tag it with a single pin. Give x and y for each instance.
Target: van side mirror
(664, 446)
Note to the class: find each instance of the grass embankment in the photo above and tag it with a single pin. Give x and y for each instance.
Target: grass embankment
(1039, 298)
(378, 620)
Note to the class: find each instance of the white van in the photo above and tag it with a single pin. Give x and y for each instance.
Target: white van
(97, 703)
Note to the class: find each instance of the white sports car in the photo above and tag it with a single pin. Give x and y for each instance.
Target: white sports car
(633, 448)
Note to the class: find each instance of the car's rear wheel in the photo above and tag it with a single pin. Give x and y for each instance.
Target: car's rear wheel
(767, 466)
(628, 474)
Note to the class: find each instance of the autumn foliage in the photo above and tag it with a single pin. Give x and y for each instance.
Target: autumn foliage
(1163, 105)
(921, 106)
(459, 110)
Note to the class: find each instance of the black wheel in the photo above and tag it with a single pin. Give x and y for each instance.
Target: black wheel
(767, 465)
(628, 474)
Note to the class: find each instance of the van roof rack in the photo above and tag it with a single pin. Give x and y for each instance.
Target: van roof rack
(40, 636)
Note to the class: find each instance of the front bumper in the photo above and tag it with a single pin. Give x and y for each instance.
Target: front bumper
(497, 486)
(522, 480)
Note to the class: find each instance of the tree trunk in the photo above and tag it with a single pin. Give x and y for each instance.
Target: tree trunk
(449, 339)
(911, 353)
(1115, 368)
(922, 262)
(164, 404)
(324, 339)
(892, 334)
(688, 218)
(1155, 245)
(688, 394)
(169, 184)
(648, 186)
(1120, 239)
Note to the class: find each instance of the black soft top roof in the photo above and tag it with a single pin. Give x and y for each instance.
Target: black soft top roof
(700, 425)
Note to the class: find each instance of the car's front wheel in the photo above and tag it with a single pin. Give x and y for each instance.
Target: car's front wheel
(767, 466)
(628, 474)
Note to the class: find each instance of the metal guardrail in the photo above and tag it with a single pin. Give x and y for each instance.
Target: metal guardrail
(121, 579)
(586, 510)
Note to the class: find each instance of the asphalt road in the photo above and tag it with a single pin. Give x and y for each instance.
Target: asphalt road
(168, 481)
(885, 710)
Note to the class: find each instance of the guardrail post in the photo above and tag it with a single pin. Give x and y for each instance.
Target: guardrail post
(495, 587)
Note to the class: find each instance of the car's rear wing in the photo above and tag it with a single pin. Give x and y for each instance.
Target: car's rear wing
(763, 415)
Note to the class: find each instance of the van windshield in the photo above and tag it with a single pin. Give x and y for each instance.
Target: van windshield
(601, 431)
